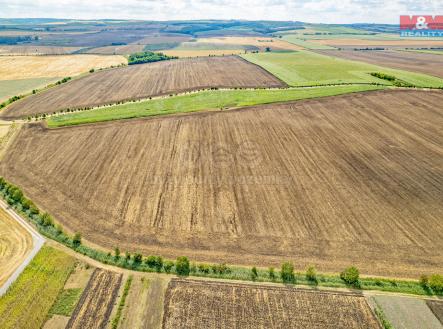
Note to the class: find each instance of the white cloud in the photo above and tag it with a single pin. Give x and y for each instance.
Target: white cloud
(325, 11)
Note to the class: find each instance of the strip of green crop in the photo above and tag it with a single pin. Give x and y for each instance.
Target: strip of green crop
(116, 319)
(206, 100)
(28, 301)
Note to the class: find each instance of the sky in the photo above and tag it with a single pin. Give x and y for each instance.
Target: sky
(321, 11)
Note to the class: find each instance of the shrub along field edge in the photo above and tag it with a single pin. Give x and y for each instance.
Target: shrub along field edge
(349, 278)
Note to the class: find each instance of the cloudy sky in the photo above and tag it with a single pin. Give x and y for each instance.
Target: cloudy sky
(324, 11)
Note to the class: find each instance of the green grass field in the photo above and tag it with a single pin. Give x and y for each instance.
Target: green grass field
(28, 301)
(9, 88)
(66, 302)
(206, 100)
(308, 68)
(299, 40)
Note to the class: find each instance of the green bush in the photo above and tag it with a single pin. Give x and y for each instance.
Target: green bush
(77, 239)
(168, 265)
(272, 275)
(148, 57)
(350, 276)
(204, 268)
(287, 272)
(311, 274)
(182, 265)
(254, 273)
(436, 283)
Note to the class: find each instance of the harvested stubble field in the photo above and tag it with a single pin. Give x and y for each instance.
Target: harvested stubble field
(15, 244)
(352, 179)
(36, 50)
(27, 67)
(431, 64)
(97, 301)
(145, 80)
(206, 304)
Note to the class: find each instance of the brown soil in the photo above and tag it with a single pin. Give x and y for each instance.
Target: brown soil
(361, 43)
(144, 303)
(205, 304)
(97, 301)
(142, 81)
(353, 179)
(436, 308)
(410, 61)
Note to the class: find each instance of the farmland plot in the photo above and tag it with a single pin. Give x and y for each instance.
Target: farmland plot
(142, 81)
(407, 313)
(15, 244)
(436, 308)
(302, 181)
(28, 301)
(206, 304)
(431, 64)
(95, 306)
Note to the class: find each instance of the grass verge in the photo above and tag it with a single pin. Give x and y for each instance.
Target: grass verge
(205, 100)
(28, 301)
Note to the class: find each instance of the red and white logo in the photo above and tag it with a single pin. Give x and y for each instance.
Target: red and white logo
(421, 22)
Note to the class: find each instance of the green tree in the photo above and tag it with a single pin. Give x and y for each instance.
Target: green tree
(117, 253)
(271, 272)
(168, 265)
(311, 274)
(287, 272)
(138, 258)
(350, 275)
(254, 273)
(436, 283)
(182, 265)
(77, 239)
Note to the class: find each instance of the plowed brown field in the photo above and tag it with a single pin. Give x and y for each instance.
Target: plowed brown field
(204, 304)
(354, 179)
(95, 306)
(410, 61)
(141, 81)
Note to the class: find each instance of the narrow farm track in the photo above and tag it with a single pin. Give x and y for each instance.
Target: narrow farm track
(303, 181)
(19, 243)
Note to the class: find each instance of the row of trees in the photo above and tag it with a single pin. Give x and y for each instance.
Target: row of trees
(182, 266)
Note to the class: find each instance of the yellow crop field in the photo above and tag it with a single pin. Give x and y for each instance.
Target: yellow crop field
(15, 244)
(261, 42)
(27, 67)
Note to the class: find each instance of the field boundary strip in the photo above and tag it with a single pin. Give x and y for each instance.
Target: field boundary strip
(37, 243)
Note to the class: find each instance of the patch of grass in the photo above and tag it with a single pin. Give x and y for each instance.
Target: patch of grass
(121, 305)
(10, 88)
(66, 302)
(301, 41)
(28, 301)
(308, 68)
(206, 100)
